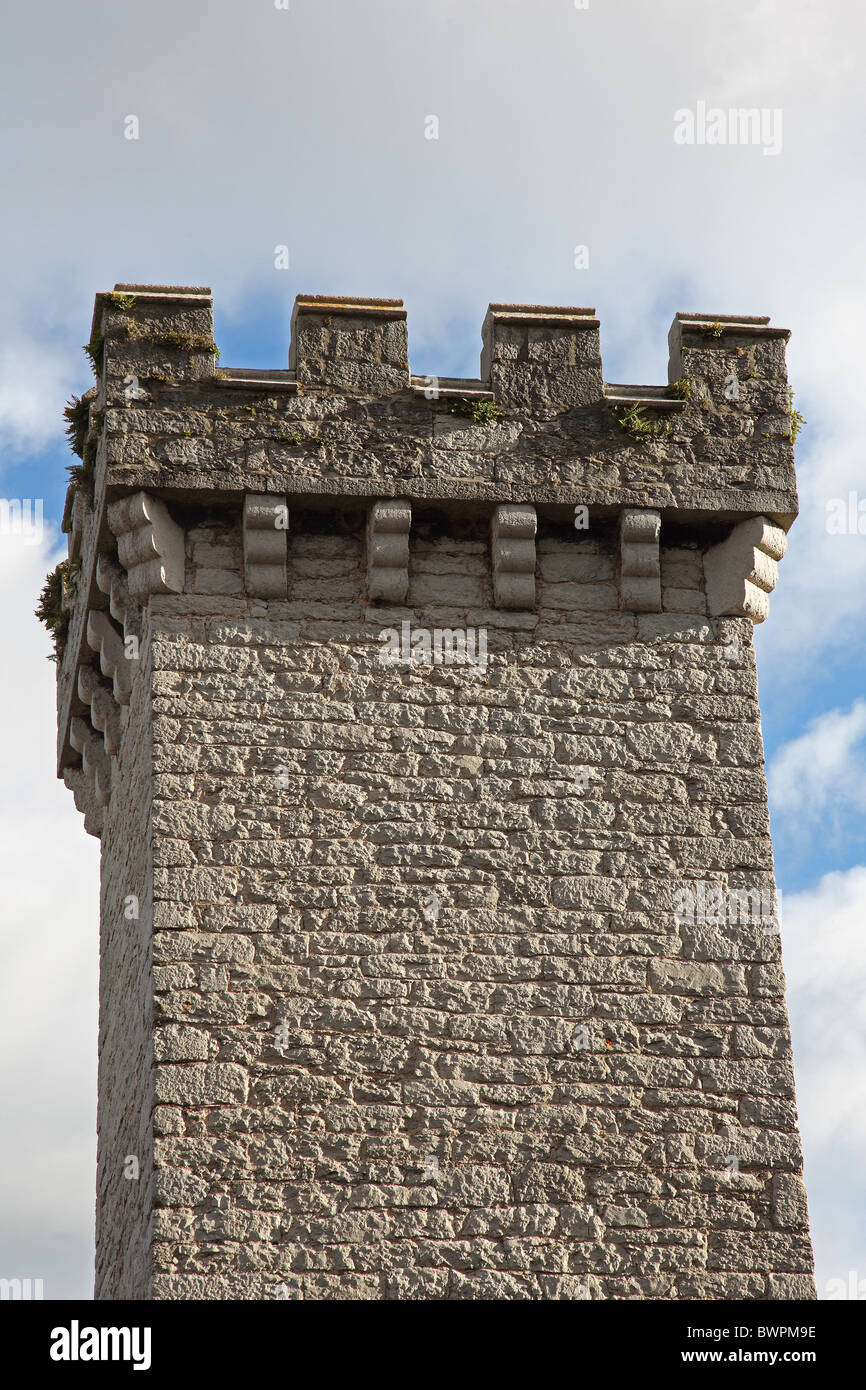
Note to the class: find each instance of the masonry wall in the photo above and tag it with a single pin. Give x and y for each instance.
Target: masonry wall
(124, 1188)
(411, 1007)
(433, 878)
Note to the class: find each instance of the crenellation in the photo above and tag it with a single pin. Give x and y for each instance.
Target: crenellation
(350, 344)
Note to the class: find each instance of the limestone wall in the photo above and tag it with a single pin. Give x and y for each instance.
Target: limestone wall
(125, 1173)
(435, 878)
(446, 978)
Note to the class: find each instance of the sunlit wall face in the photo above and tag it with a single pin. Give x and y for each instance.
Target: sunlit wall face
(640, 159)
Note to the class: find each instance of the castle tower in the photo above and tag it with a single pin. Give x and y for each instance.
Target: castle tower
(418, 719)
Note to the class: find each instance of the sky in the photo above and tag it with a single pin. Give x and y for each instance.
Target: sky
(451, 154)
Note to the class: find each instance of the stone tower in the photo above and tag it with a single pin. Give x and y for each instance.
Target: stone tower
(418, 719)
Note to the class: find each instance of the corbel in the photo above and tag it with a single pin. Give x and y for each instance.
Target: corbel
(265, 527)
(512, 540)
(94, 758)
(388, 526)
(105, 712)
(150, 545)
(640, 585)
(741, 572)
(104, 639)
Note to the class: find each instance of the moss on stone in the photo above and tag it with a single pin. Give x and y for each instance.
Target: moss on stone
(480, 412)
(52, 608)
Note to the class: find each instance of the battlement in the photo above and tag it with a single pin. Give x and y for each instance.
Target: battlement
(347, 418)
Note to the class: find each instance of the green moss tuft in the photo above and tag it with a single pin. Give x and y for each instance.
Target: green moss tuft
(185, 342)
(77, 416)
(634, 421)
(93, 352)
(52, 608)
(480, 412)
(680, 390)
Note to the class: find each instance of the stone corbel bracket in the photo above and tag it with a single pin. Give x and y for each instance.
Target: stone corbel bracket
(512, 538)
(742, 571)
(104, 639)
(109, 707)
(105, 712)
(150, 545)
(94, 758)
(388, 526)
(98, 738)
(265, 527)
(84, 792)
(111, 579)
(640, 585)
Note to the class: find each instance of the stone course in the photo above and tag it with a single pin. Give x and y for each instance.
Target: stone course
(410, 1007)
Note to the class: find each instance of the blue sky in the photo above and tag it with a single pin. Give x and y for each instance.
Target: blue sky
(306, 128)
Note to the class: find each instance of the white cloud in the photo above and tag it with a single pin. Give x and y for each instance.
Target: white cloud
(48, 944)
(823, 772)
(824, 947)
(35, 381)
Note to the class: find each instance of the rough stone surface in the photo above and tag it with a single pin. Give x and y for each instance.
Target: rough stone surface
(412, 1008)
(126, 998)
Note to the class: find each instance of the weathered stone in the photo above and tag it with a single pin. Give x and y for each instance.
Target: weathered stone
(400, 997)
(640, 572)
(388, 525)
(265, 530)
(789, 1202)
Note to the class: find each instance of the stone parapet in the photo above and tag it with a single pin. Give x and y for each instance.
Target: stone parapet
(347, 425)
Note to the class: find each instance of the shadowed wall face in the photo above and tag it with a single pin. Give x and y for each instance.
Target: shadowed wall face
(126, 1011)
(456, 970)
